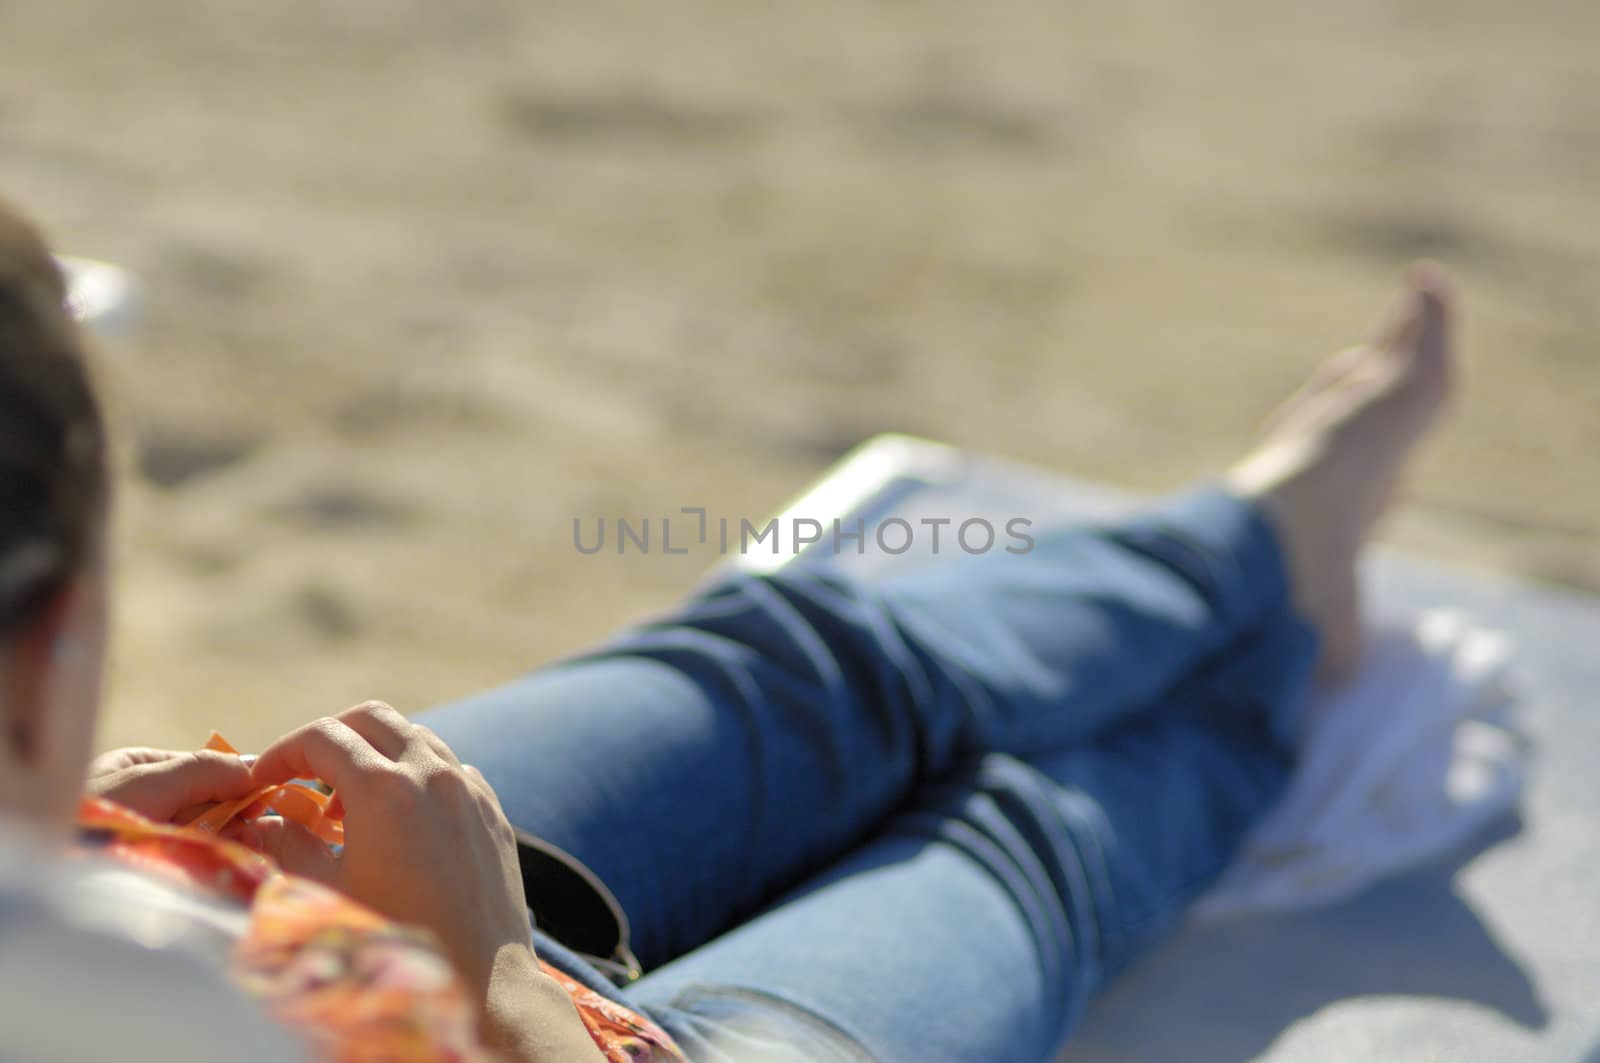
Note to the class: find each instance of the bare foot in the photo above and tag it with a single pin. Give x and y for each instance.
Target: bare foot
(1330, 458)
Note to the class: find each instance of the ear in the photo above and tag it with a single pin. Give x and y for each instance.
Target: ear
(32, 661)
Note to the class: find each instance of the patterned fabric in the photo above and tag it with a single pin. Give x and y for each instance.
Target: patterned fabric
(355, 985)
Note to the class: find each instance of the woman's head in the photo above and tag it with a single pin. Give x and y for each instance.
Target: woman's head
(54, 494)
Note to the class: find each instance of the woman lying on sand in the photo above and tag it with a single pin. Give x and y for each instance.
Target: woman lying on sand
(924, 819)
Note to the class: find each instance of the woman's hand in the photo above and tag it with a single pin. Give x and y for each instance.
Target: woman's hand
(161, 783)
(425, 840)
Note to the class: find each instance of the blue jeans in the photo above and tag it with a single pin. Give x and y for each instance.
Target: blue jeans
(926, 817)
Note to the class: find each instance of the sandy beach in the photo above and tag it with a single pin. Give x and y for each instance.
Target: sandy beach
(419, 285)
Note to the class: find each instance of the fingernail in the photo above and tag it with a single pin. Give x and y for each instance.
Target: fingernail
(247, 759)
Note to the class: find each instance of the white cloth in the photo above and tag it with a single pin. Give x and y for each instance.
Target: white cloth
(1405, 762)
(96, 967)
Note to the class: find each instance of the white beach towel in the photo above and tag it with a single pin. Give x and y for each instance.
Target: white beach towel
(1415, 755)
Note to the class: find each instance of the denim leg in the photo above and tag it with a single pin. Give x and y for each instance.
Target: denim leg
(1094, 625)
(979, 923)
(703, 762)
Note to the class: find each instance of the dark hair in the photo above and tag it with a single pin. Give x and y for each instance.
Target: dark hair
(54, 478)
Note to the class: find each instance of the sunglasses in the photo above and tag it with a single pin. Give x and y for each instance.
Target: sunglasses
(573, 906)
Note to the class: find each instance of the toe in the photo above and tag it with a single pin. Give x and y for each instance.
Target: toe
(1327, 376)
(1418, 340)
(1433, 344)
(1340, 367)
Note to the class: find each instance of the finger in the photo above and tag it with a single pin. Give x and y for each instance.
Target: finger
(190, 813)
(438, 745)
(325, 749)
(296, 849)
(382, 726)
(480, 783)
(121, 759)
(133, 755)
(162, 787)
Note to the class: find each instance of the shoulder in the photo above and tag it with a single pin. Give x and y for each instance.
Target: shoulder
(93, 966)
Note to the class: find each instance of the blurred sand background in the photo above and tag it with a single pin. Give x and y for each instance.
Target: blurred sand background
(421, 283)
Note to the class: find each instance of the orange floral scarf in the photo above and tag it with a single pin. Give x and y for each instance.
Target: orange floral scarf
(357, 986)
